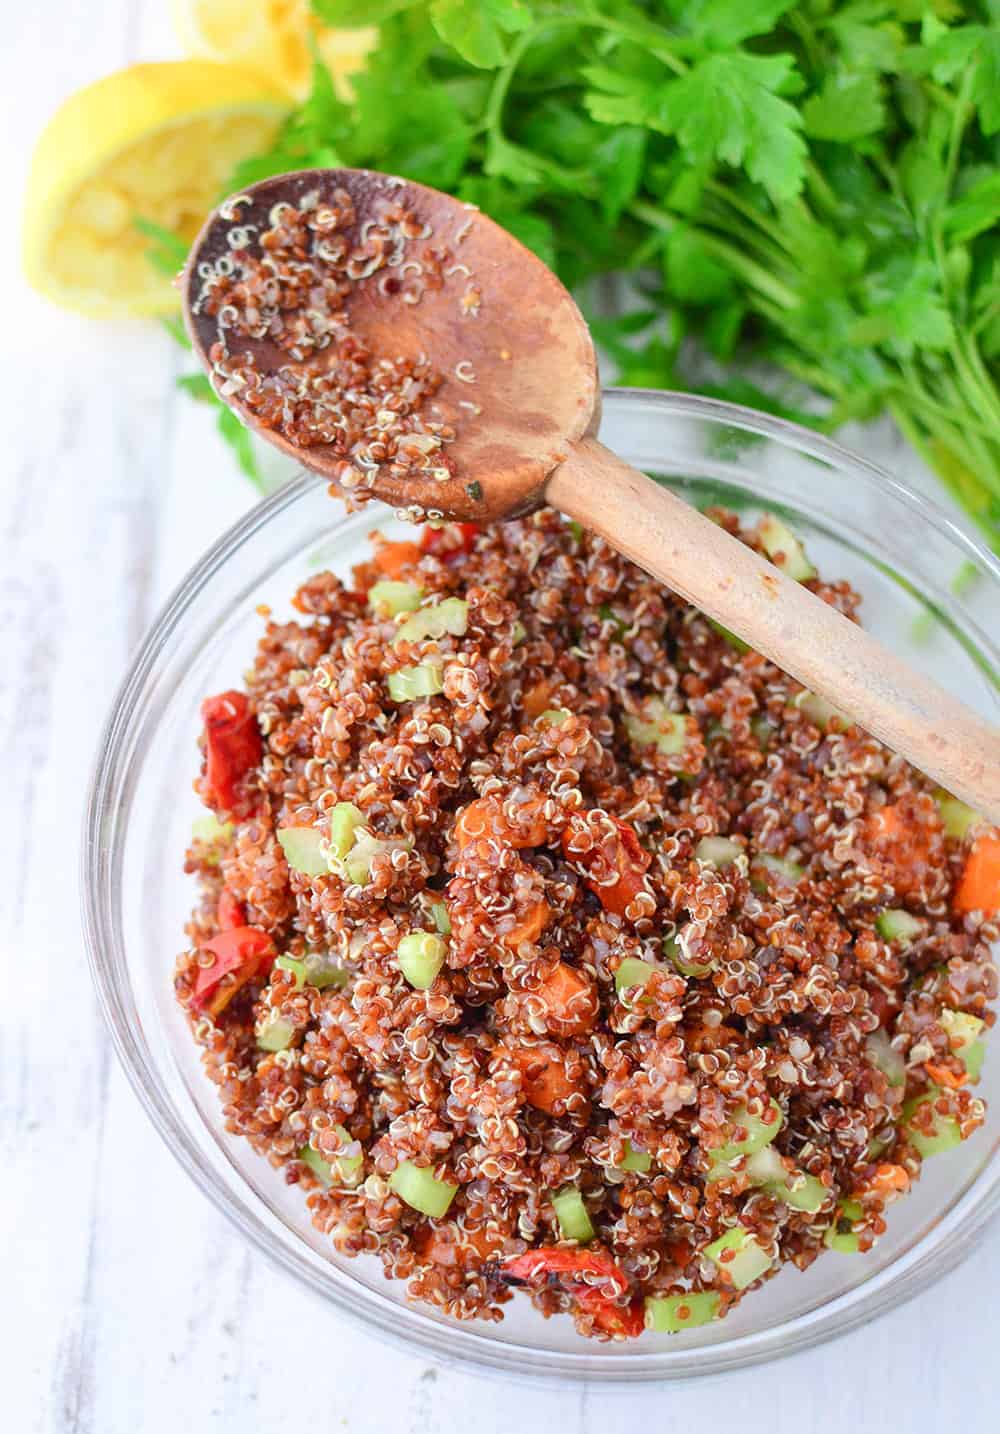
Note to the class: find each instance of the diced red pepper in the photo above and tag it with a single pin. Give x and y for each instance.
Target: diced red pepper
(231, 913)
(576, 1271)
(394, 558)
(631, 861)
(245, 950)
(233, 747)
(628, 1320)
(451, 540)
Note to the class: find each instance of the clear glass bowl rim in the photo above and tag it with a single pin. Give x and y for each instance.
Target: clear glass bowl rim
(955, 1234)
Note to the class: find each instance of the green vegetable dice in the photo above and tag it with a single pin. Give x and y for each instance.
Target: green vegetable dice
(785, 549)
(638, 1160)
(411, 683)
(395, 597)
(658, 727)
(669, 1314)
(631, 973)
(945, 1133)
(571, 1212)
(739, 1257)
(303, 848)
(418, 1187)
(275, 1033)
(758, 1132)
(420, 956)
(718, 851)
(898, 925)
(345, 818)
(448, 617)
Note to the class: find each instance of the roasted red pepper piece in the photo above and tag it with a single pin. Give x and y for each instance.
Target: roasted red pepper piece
(231, 913)
(450, 540)
(245, 950)
(576, 1271)
(631, 861)
(233, 747)
(628, 1320)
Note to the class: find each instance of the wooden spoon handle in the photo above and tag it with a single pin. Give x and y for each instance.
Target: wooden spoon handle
(782, 619)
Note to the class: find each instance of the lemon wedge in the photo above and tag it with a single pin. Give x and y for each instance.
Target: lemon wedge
(271, 37)
(154, 142)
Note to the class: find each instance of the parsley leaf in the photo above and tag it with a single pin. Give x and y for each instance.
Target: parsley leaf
(848, 107)
(728, 108)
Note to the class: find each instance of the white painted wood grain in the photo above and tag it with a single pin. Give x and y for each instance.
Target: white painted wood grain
(129, 1306)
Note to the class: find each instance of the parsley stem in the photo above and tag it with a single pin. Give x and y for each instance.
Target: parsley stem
(739, 263)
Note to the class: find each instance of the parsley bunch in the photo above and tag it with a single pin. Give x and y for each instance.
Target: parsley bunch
(815, 185)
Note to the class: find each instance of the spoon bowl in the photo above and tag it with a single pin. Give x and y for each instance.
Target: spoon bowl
(499, 328)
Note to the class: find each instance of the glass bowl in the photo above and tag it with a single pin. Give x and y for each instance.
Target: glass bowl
(901, 552)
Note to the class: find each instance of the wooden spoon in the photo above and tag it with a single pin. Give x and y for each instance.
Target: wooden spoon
(520, 386)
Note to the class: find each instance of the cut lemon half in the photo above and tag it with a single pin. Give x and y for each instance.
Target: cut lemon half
(271, 37)
(154, 142)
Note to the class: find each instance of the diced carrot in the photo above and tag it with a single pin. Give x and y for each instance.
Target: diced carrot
(485, 818)
(943, 1075)
(530, 926)
(631, 861)
(543, 1076)
(570, 1000)
(890, 1180)
(393, 558)
(979, 888)
(535, 699)
(446, 1245)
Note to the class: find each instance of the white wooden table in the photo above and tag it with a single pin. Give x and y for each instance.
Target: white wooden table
(111, 484)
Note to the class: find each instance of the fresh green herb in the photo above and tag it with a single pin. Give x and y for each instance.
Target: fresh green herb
(166, 251)
(813, 185)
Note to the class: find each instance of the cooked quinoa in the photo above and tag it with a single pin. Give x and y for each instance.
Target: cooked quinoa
(549, 938)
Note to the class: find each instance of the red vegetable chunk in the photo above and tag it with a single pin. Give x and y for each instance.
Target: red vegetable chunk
(233, 748)
(244, 951)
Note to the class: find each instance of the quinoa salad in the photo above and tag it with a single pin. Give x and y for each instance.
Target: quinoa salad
(554, 942)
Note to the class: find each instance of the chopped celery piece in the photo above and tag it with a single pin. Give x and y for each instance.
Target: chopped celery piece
(973, 1057)
(779, 866)
(840, 1236)
(638, 1160)
(877, 1147)
(275, 1034)
(820, 712)
(420, 956)
(418, 1187)
(758, 1132)
(845, 1242)
(730, 637)
(345, 818)
(802, 1192)
(762, 730)
(296, 968)
(395, 597)
(357, 865)
(738, 1255)
(766, 1167)
(884, 1055)
(963, 1037)
(409, 683)
(958, 818)
(576, 529)
(349, 1167)
(319, 1167)
(448, 617)
(674, 949)
(896, 925)
(631, 973)
(571, 1212)
(302, 848)
(313, 970)
(785, 549)
(718, 851)
(209, 828)
(439, 914)
(944, 1129)
(555, 716)
(659, 728)
(669, 1314)
(518, 633)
